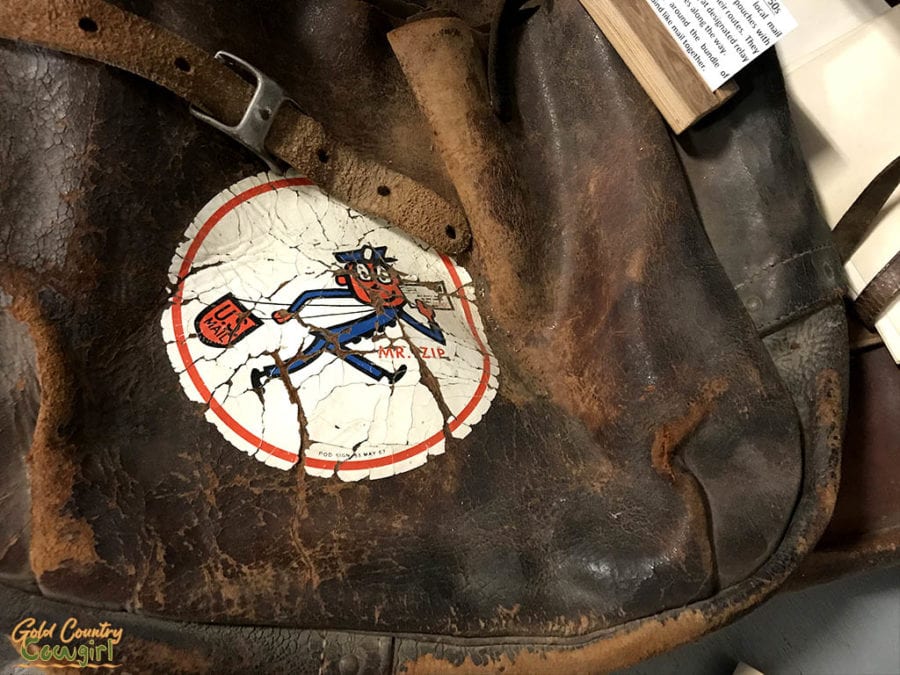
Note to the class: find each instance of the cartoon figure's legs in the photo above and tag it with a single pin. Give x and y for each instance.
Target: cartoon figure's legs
(259, 376)
(374, 371)
(308, 355)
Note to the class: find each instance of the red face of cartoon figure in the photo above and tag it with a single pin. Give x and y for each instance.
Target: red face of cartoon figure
(374, 283)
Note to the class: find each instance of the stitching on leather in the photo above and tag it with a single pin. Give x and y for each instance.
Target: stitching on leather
(805, 309)
(772, 266)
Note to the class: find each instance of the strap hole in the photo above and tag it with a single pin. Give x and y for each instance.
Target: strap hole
(451, 231)
(182, 64)
(264, 113)
(322, 155)
(87, 24)
(383, 190)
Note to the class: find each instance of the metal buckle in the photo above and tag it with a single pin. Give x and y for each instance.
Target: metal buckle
(252, 130)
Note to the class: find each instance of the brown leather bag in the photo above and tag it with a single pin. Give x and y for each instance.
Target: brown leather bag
(640, 434)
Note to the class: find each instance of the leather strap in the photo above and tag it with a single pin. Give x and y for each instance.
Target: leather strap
(780, 292)
(97, 30)
(860, 217)
(879, 293)
(853, 228)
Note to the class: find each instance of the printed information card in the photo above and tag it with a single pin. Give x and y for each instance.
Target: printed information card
(720, 37)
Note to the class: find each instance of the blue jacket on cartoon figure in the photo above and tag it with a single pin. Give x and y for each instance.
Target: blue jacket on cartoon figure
(369, 278)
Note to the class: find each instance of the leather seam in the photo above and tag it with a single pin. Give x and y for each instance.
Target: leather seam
(767, 268)
(805, 309)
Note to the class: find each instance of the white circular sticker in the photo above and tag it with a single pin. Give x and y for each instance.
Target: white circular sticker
(314, 333)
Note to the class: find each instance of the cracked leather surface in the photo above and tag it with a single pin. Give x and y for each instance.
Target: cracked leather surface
(753, 192)
(599, 488)
(158, 646)
(865, 530)
(19, 402)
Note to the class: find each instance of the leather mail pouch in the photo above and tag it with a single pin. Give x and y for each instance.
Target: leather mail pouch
(261, 420)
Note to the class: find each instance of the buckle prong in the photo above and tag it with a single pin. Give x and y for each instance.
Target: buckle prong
(252, 130)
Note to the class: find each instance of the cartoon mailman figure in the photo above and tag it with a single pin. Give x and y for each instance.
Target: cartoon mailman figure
(368, 278)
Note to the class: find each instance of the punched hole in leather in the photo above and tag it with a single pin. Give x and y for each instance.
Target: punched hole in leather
(99, 30)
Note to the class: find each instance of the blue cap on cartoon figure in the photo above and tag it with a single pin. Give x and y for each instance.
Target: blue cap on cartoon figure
(366, 254)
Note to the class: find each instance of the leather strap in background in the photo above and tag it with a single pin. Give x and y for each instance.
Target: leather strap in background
(96, 30)
(879, 293)
(853, 228)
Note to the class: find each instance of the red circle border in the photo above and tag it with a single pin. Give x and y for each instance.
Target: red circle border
(262, 445)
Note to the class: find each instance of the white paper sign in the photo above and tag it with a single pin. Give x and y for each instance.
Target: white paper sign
(720, 37)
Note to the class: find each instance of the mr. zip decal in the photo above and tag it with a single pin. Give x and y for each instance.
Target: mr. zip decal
(315, 334)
